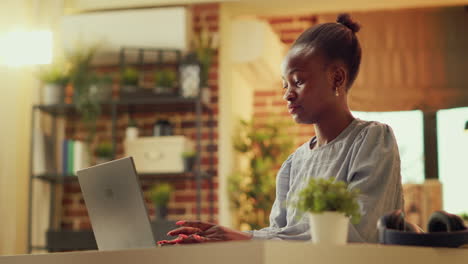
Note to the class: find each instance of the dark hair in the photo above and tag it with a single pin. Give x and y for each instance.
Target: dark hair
(337, 41)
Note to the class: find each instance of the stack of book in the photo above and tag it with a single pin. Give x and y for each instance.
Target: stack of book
(75, 156)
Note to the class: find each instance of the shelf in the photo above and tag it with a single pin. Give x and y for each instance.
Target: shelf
(59, 178)
(163, 103)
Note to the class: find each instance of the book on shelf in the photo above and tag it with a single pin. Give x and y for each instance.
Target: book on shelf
(75, 156)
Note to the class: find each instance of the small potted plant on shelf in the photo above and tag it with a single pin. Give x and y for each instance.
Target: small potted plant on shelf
(129, 80)
(54, 79)
(160, 194)
(165, 81)
(103, 152)
(464, 216)
(331, 205)
(189, 158)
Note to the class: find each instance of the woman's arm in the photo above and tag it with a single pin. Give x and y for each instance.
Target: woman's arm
(278, 210)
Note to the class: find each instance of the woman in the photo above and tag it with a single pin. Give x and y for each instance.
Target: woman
(318, 72)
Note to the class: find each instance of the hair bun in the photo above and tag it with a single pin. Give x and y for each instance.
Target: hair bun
(347, 21)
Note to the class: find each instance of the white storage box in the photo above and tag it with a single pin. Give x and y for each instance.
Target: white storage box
(158, 154)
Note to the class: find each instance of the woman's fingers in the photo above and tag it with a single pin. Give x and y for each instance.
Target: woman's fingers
(196, 223)
(184, 239)
(184, 230)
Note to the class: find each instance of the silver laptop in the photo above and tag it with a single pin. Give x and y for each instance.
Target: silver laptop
(116, 207)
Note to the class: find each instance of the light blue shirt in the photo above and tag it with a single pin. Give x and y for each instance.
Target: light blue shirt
(365, 155)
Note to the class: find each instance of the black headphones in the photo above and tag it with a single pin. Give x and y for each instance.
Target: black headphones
(444, 230)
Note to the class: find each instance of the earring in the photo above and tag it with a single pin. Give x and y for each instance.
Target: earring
(336, 92)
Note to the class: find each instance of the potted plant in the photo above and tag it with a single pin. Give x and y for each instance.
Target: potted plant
(464, 216)
(103, 152)
(189, 160)
(331, 205)
(165, 81)
(129, 80)
(160, 195)
(54, 79)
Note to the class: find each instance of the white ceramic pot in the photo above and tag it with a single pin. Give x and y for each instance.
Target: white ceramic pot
(329, 228)
(52, 93)
(131, 133)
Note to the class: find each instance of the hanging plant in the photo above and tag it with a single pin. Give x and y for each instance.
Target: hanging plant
(82, 79)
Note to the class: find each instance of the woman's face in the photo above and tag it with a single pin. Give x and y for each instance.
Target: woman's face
(308, 85)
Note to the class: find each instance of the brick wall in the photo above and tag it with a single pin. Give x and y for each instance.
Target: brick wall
(183, 202)
(270, 102)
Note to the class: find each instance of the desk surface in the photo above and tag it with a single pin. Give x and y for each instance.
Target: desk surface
(257, 252)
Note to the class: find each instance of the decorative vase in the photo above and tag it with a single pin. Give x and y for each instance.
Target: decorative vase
(131, 133)
(53, 94)
(161, 212)
(329, 228)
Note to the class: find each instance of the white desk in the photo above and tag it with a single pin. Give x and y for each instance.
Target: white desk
(257, 252)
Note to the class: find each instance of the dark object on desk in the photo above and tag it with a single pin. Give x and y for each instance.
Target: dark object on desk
(69, 240)
(444, 230)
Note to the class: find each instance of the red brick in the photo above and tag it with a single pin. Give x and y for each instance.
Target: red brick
(214, 198)
(265, 93)
(176, 211)
(205, 210)
(67, 201)
(292, 31)
(66, 225)
(205, 185)
(310, 19)
(85, 225)
(209, 160)
(72, 188)
(214, 99)
(185, 198)
(260, 104)
(200, 8)
(288, 40)
(280, 103)
(211, 18)
(179, 185)
(212, 149)
(213, 76)
(213, 29)
(262, 114)
(280, 20)
(76, 212)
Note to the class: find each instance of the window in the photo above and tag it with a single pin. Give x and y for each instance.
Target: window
(452, 144)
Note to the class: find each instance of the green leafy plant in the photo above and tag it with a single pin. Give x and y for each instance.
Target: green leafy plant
(130, 76)
(189, 154)
(160, 194)
(252, 189)
(204, 45)
(324, 195)
(54, 74)
(464, 216)
(82, 79)
(165, 78)
(104, 150)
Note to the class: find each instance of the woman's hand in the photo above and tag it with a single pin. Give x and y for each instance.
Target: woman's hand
(200, 232)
